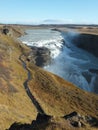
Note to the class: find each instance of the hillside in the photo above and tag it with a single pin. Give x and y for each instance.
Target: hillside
(14, 103)
(26, 90)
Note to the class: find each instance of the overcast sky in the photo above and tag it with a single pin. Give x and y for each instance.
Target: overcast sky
(53, 11)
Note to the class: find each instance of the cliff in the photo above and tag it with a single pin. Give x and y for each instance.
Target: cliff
(88, 42)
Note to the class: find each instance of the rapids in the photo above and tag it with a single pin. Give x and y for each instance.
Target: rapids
(68, 61)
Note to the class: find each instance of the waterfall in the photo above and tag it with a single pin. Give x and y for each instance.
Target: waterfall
(68, 61)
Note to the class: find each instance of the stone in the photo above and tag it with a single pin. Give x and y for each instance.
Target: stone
(70, 115)
(43, 118)
(40, 56)
(5, 31)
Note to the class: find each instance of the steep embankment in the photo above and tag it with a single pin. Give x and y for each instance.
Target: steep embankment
(89, 43)
(68, 106)
(59, 97)
(15, 105)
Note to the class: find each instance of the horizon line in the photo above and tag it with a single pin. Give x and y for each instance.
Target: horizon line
(44, 24)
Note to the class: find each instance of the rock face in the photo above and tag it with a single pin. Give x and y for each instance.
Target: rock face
(40, 56)
(78, 120)
(88, 42)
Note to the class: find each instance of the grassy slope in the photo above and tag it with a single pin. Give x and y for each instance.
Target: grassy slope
(14, 102)
(56, 96)
(59, 97)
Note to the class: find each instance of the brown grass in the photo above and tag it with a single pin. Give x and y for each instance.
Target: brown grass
(14, 102)
(56, 96)
(59, 97)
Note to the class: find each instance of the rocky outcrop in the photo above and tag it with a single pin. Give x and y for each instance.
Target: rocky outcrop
(40, 56)
(13, 31)
(88, 42)
(68, 122)
(78, 120)
(7, 31)
(41, 122)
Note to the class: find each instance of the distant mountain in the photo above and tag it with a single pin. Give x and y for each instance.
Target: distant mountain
(53, 21)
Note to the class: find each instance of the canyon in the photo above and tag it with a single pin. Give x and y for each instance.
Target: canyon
(62, 104)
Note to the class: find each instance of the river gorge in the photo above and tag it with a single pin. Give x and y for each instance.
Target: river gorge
(71, 55)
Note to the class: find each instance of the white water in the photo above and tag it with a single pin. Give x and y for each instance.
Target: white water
(68, 61)
(44, 38)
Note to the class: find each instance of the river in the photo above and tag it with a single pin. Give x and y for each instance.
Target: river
(68, 61)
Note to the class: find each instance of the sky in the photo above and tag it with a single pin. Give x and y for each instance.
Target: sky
(49, 11)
